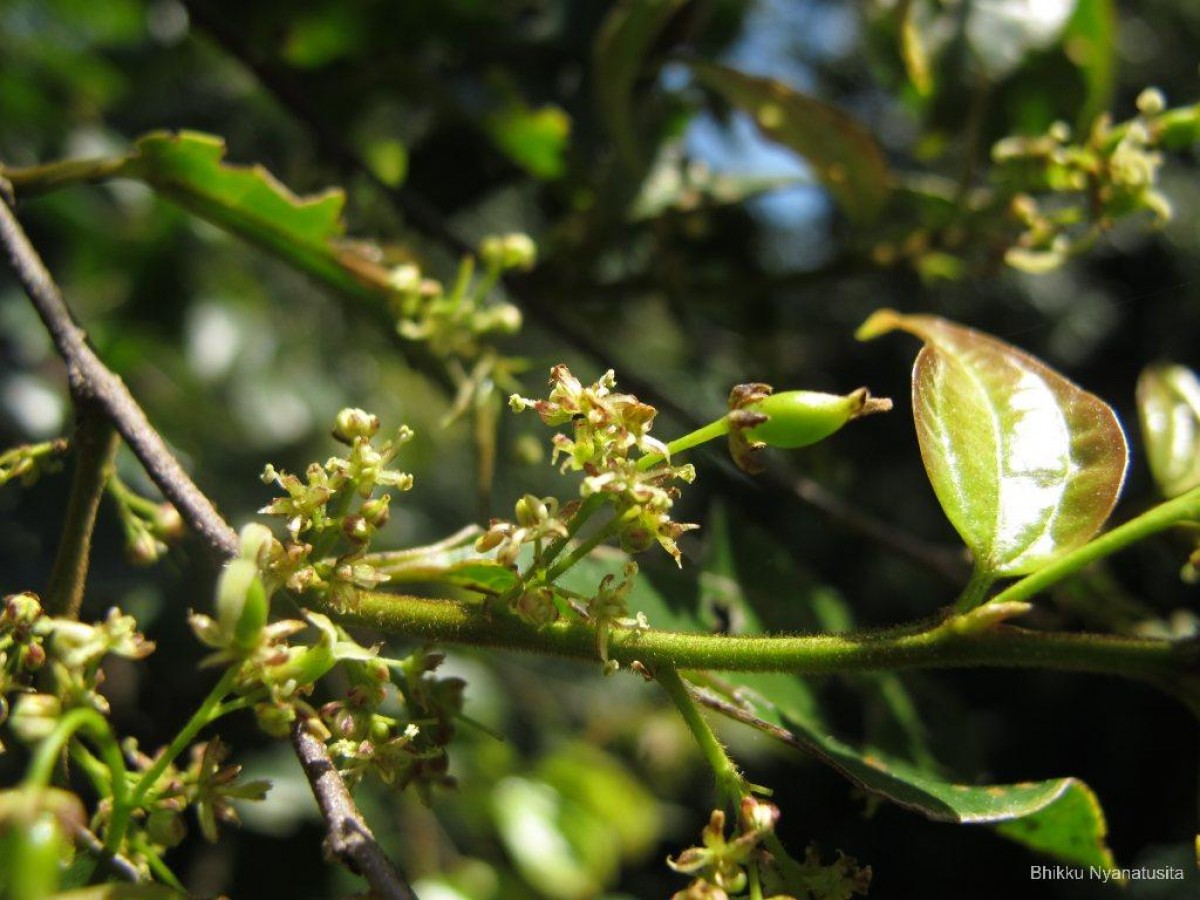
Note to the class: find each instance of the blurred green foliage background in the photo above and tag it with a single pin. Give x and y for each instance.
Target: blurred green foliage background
(683, 248)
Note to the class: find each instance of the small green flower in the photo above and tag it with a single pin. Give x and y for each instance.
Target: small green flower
(214, 786)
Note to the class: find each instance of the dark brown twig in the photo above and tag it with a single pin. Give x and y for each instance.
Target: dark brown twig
(91, 380)
(92, 383)
(95, 444)
(348, 838)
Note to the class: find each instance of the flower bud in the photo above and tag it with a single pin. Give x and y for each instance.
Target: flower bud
(758, 815)
(530, 511)
(405, 278)
(169, 522)
(1151, 102)
(143, 548)
(275, 719)
(537, 606)
(303, 665)
(377, 512)
(35, 716)
(21, 609)
(504, 318)
(520, 252)
(354, 423)
(166, 827)
(242, 605)
(491, 251)
(357, 529)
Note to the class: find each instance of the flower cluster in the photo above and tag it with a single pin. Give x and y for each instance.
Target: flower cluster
(725, 867)
(720, 863)
(537, 519)
(453, 323)
(1070, 192)
(29, 462)
(52, 665)
(606, 427)
(396, 749)
(275, 677)
(206, 785)
(609, 606)
(150, 526)
(319, 511)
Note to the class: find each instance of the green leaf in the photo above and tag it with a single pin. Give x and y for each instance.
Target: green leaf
(188, 168)
(534, 139)
(1168, 398)
(1071, 827)
(843, 154)
(1090, 43)
(1060, 816)
(785, 707)
(1026, 464)
(618, 57)
(570, 823)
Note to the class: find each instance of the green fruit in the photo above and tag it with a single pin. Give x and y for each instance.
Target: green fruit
(799, 418)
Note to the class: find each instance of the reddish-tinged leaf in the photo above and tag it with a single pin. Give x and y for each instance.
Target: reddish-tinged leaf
(1026, 464)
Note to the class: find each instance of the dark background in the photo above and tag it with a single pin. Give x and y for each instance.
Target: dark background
(684, 304)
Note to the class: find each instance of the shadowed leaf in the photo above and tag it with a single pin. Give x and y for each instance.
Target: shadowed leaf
(1061, 815)
(843, 154)
(618, 55)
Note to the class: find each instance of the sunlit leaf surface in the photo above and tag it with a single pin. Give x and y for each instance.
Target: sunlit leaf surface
(1026, 464)
(189, 169)
(1169, 407)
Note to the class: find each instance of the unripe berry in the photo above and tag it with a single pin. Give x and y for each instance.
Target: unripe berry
(759, 418)
(799, 418)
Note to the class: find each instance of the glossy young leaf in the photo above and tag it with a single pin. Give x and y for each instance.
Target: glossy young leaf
(1168, 399)
(1025, 464)
(843, 154)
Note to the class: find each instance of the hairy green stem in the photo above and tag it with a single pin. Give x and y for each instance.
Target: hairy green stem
(1183, 508)
(951, 644)
(95, 447)
(731, 786)
(975, 592)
